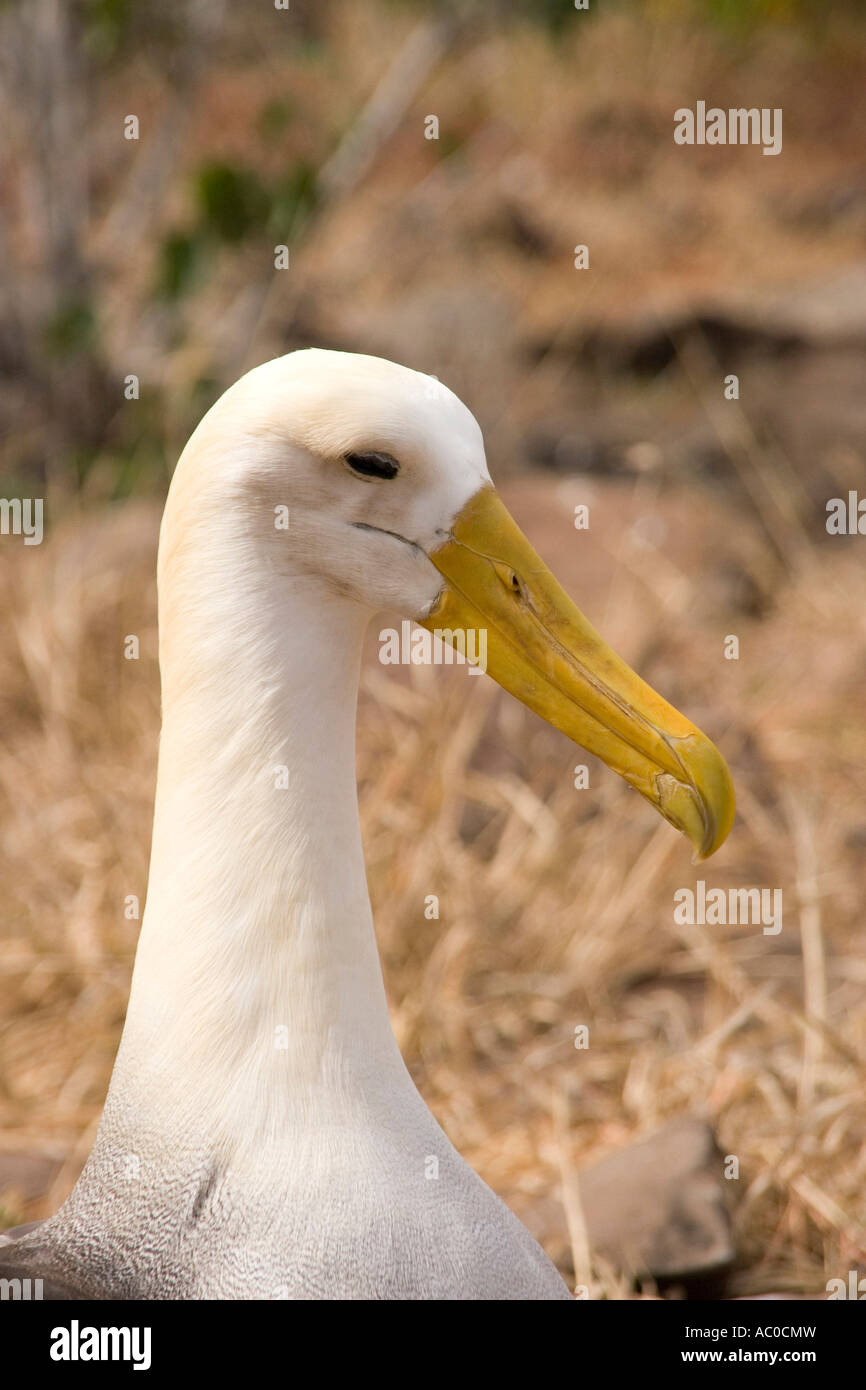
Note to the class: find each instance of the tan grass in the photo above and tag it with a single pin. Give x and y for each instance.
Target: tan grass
(555, 905)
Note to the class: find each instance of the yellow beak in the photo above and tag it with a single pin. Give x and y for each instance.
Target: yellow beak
(540, 647)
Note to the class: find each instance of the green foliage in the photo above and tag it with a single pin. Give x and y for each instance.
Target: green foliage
(234, 203)
(293, 199)
(448, 143)
(71, 330)
(179, 259)
(230, 200)
(231, 204)
(749, 14)
(274, 119)
(105, 25)
(117, 473)
(202, 394)
(555, 14)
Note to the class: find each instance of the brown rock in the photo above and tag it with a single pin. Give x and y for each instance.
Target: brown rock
(28, 1175)
(660, 1207)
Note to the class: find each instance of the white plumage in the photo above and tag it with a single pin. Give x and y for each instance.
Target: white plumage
(262, 1137)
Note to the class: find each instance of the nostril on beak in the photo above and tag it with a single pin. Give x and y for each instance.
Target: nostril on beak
(510, 578)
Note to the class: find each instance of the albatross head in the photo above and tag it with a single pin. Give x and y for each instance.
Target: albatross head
(380, 478)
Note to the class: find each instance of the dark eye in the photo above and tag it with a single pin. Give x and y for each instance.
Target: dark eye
(373, 465)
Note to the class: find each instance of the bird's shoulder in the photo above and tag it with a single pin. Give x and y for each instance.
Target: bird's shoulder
(29, 1270)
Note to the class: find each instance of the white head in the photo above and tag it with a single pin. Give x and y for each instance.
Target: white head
(381, 475)
(368, 462)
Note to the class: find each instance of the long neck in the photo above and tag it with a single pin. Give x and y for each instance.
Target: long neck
(257, 995)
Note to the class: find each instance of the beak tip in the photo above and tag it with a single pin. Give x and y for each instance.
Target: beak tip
(702, 808)
(719, 804)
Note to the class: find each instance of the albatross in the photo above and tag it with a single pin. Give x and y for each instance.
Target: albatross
(262, 1137)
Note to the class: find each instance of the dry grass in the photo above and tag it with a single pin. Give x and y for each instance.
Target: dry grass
(556, 905)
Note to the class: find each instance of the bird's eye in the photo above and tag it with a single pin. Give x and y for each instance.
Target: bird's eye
(373, 464)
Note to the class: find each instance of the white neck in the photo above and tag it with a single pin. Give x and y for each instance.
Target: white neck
(257, 995)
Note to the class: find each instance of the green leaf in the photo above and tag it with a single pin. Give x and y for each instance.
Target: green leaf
(71, 330)
(231, 200)
(293, 199)
(179, 260)
(274, 119)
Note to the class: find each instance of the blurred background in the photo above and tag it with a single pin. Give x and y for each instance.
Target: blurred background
(139, 280)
